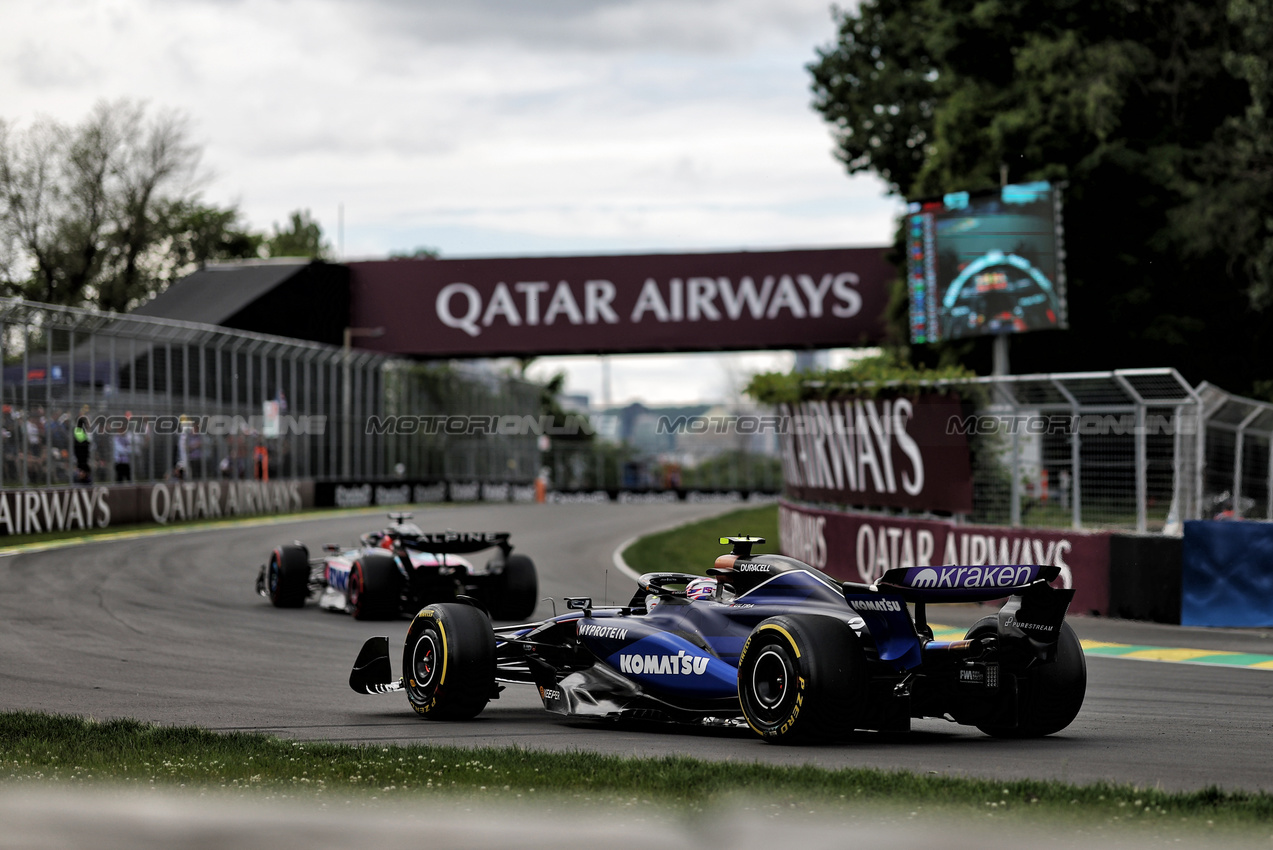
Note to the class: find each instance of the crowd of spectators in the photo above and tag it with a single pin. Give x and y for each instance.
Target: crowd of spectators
(59, 447)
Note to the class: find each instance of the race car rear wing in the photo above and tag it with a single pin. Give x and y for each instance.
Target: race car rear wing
(1031, 617)
(457, 542)
(963, 584)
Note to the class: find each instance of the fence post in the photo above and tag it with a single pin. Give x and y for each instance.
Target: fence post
(1014, 510)
(1239, 440)
(1268, 493)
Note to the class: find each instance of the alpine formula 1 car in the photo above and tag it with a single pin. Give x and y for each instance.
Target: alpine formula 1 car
(773, 642)
(399, 569)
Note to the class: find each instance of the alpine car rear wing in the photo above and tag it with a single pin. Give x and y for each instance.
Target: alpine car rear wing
(457, 542)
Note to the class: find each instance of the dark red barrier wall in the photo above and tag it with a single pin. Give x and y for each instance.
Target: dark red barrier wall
(860, 547)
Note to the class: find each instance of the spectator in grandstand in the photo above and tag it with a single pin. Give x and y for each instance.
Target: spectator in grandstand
(83, 447)
(124, 446)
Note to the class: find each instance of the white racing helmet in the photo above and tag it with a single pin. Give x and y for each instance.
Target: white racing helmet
(701, 588)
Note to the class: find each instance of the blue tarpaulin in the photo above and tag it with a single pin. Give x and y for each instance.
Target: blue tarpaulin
(1227, 574)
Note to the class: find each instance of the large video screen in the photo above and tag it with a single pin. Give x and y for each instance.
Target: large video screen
(986, 264)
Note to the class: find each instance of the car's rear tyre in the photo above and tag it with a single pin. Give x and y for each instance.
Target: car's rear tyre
(448, 662)
(287, 576)
(514, 591)
(802, 678)
(1050, 694)
(375, 587)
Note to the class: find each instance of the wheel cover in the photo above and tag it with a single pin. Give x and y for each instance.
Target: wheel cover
(272, 576)
(426, 660)
(771, 679)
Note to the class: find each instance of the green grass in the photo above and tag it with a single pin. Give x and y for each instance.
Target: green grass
(692, 548)
(75, 752)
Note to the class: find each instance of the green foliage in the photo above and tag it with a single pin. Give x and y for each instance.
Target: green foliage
(870, 376)
(1156, 114)
(106, 212)
(735, 468)
(419, 253)
(301, 237)
(694, 547)
(40, 749)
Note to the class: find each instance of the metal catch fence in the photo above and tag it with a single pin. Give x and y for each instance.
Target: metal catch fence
(108, 398)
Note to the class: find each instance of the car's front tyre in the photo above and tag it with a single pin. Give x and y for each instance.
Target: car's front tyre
(448, 662)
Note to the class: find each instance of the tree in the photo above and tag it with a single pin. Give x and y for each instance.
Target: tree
(1127, 101)
(303, 237)
(198, 233)
(79, 205)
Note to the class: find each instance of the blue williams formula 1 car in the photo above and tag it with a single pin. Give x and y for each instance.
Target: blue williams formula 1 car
(773, 642)
(394, 571)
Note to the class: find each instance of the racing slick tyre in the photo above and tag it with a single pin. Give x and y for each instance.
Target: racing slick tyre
(802, 678)
(448, 661)
(1049, 695)
(375, 587)
(287, 576)
(514, 590)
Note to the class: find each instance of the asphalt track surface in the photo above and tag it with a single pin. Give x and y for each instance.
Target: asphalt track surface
(168, 629)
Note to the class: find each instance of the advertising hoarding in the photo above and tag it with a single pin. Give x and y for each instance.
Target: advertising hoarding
(623, 304)
(861, 547)
(878, 452)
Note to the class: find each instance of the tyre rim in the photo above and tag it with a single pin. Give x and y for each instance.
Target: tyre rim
(425, 660)
(355, 584)
(273, 576)
(769, 678)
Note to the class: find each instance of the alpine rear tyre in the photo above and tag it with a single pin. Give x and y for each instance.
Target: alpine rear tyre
(375, 587)
(287, 576)
(802, 678)
(515, 590)
(448, 662)
(1049, 695)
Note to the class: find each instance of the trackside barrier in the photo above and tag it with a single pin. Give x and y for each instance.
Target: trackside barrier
(1227, 574)
(97, 507)
(361, 494)
(1144, 577)
(853, 546)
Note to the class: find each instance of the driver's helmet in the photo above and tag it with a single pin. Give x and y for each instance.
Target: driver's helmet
(701, 588)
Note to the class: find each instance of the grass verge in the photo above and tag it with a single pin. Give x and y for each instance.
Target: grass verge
(71, 751)
(692, 548)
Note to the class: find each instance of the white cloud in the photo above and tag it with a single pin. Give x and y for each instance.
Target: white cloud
(480, 127)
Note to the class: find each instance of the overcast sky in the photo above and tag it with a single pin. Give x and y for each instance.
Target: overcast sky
(482, 127)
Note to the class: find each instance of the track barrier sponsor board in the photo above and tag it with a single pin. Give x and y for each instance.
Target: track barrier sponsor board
(860, 547)
(1227, 574)
(897, 452)
(38, 511)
